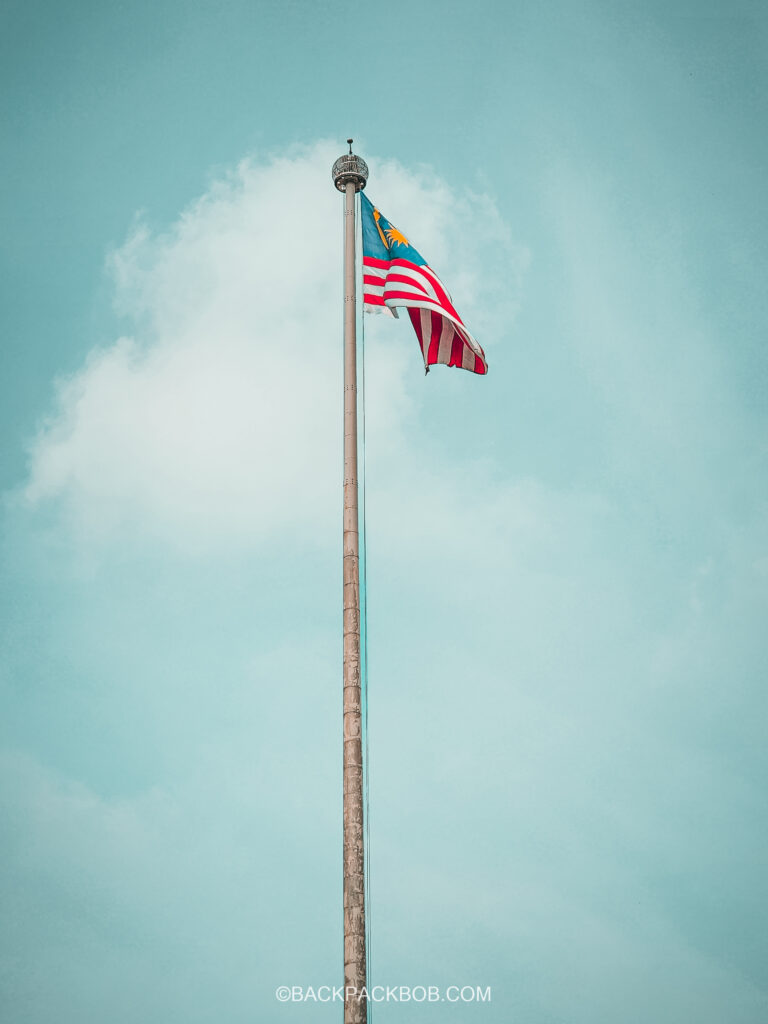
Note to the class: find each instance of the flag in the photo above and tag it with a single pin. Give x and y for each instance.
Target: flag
(394, 274)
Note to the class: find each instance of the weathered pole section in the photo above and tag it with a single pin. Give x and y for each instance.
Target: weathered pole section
(350, 174)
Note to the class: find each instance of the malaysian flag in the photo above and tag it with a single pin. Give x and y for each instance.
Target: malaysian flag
(394, 274)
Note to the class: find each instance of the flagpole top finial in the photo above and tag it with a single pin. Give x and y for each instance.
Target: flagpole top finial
(350, 168)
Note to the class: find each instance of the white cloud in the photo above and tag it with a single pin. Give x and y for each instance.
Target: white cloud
(218, 420)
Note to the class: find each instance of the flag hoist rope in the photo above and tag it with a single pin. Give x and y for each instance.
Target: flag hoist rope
(364, 663)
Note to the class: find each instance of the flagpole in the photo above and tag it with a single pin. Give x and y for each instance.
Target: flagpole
(350, 174)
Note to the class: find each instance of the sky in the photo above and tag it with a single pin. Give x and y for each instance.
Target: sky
(567, 560)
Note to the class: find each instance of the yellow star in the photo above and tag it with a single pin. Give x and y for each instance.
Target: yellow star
(396, 236)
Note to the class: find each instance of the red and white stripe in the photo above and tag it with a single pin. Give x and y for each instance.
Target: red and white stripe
(442, 336)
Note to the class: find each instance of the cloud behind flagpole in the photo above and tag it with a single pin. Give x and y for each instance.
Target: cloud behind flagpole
(214, 421)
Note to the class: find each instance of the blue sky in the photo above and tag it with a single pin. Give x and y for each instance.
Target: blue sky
(568, 559)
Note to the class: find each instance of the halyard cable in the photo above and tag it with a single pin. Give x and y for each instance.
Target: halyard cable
(364, 661)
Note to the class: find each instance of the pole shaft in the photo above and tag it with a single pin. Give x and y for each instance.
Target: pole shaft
(355, 1010)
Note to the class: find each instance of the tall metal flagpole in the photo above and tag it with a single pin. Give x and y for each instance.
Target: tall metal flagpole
(350, 174)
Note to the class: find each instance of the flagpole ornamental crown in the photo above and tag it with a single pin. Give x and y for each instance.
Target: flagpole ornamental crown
(350, 168)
